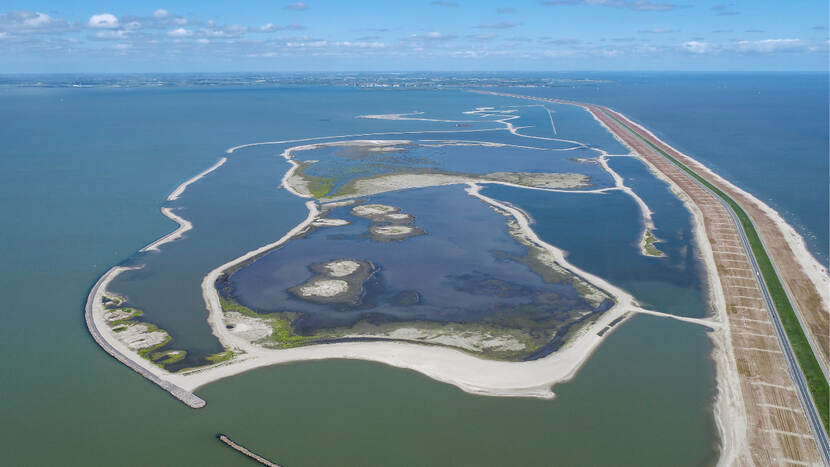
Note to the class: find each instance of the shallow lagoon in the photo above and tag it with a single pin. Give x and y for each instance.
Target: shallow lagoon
(100, 182)
(601, 233)
(342, 164)
(466, 268)
(237, 208)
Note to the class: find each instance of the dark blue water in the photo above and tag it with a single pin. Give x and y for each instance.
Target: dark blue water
(83, 173)
(466, 246)
(765, 132)
(343, 164)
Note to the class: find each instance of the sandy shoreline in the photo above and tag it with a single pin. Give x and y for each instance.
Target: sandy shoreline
(184, 226)
(463, 370)
(174, 195)
(469, 373)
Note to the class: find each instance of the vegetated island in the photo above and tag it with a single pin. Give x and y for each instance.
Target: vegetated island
(464, 362)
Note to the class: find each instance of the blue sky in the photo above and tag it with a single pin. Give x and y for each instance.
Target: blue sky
(318, 35)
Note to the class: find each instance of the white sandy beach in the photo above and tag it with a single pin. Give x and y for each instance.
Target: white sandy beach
(463, 370)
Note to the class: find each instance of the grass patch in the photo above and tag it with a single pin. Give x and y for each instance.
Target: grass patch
(147, 351)
(220, 357)
(648, 245)
(320, 186)
(283, 335)
(173, 356)
(816, 382)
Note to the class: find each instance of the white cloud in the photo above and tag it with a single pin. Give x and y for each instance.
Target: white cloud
(763, 46)
(111, 34)
(103, 21)
(313, 44)
(38, 20)
(271, 27)
(160, 13)
(432, 36)
(698, 47)
(361, 44)
(771, 45)
(180, 32)
(203, 41)
(297, 6)
(32, 22)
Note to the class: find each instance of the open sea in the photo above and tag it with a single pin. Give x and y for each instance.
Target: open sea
(84, 170)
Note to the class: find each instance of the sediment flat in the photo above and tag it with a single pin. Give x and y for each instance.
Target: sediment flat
(93, 315)
(760, 414)
(470, 373)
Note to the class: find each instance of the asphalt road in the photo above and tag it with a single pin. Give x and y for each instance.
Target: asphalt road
(796, 375)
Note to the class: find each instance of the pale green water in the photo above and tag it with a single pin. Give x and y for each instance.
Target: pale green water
(82, 175)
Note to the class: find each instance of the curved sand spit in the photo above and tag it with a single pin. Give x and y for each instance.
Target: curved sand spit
(472, 374)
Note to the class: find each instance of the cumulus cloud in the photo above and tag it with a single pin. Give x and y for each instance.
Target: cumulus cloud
(771, 45)
(637, 5)
(180, 32)
(23, 22)
(698, 47)
(159, 19)
(763, 46)
(296, 6)
(502, 25)
(103, 21)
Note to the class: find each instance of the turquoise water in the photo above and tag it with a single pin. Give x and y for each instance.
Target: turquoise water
(83, 173)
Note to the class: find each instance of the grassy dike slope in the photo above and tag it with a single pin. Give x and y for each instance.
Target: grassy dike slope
(795, 334)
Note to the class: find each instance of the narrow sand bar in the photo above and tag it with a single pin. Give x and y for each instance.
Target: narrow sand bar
(470, 373)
